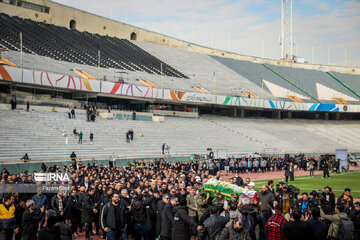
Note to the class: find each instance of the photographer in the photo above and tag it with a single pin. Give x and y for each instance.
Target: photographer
(287, 198)
(305, 203)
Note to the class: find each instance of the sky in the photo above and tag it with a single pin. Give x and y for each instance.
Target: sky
(325, 31)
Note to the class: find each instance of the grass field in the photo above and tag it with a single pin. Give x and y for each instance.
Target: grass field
(338, 182)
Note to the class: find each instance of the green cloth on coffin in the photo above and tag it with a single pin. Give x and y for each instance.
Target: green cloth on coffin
(226, 189)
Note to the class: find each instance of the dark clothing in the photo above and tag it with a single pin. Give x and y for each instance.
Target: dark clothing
(30, 222)
(167, 221)
(160, 209)
(182, 223)
(296, 231)
(213, 227)
(317, 229)
(87, 206)
(49, 233)
(229, 233)
(266, 198)
(138, 209)
(113, 217)
(75, 212)
(55, 204)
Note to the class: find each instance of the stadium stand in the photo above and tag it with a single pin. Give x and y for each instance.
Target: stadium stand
(41, 136)
(78, 47)
(200, 69)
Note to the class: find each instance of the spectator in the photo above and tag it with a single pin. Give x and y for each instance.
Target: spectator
(274, 226)
(305, 203)
(266, 213)
(316, 227)
(13, 103)
(192, 209)
(91, 137)
(69, 113)
(88, 210)
(265, 196)
(235, 231)
(160, 208)
(75, 212)
(73, 113)
(348, 198)
(325, 167)
(7, 218)
(40, 200)
(182, 222)
(214, 225)
(30, 220)
(75, 132)
(134, 115)
(27, 106)
(296, 229)
(19, 211)
(80, 137)
(356, 219)
(139, 213)
(51, 229)
(335, 222)
(234, 213)
(58, 204)
(167, 221)
(113, 218)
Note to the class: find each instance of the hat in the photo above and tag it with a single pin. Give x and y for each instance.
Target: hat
(251, 184)
(234, 194)
(285, 186)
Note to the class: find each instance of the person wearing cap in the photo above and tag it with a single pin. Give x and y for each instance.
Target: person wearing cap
(286, 199)
(31, 220)
(234, 198)
(202, 201)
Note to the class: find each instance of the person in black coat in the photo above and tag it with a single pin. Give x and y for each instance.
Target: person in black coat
(139, 212)
(296, 229)
(213, 225)
(19, 211)
(113, 218)
(151, 215)
(51, 230)
(88, 211)
(160, 208)
(59, 204)
(167, 221)
(182, 222)
(30, 221)
(317, 228)
(75, 211)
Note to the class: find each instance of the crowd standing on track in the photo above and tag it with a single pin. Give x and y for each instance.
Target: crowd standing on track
(149, 200)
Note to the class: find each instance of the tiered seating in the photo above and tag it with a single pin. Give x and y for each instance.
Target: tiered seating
(73, 46)
(308, 79)
(200, 69)
(39, 135)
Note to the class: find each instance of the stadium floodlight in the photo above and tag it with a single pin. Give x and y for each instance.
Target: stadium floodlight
(286, 38)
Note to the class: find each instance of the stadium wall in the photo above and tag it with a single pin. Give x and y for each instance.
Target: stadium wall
(55, 80)
(61, 15)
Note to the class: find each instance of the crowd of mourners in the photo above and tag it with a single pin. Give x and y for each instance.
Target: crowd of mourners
(157, 199)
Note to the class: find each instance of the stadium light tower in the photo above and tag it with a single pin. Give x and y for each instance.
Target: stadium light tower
(286, 40)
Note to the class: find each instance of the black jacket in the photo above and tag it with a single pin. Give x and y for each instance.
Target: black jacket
(30, 222)
(160, 209)
(213, 227)
(138, 209)
(74, 207)
(55, 204)
(151, 215)
(49, 233)
(167, 221)
(296, 230)
(182, 223)
(108, 216)
(87, 206)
